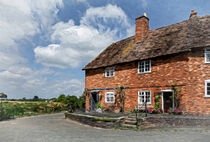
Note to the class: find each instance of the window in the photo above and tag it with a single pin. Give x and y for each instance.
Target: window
(207, 55)
(109, 72)
(144, 96)
(144, 66)
(109, 98)
(207, 88)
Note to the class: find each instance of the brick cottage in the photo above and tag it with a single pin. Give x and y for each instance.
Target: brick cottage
(171, 63)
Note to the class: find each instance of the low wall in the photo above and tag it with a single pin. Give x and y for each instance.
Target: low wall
(152, 121)
(164, 121)
(103, 122)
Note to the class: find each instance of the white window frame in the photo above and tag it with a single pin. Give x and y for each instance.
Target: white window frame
(106, 95)
(206, 81)
(139, 102)
(144, 67)
(206, 52)
(110, 69)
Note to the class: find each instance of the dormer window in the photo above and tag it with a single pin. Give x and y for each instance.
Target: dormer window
(109, 72)
(207, 55)
(144, 66)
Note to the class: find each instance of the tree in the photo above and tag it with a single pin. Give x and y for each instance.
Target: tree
(81, 101)
(36, 98)
(61, 98)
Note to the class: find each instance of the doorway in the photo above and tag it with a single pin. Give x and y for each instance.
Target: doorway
(167, 100)
(94, 100)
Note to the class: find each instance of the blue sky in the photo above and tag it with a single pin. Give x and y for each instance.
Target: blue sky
(45, 43)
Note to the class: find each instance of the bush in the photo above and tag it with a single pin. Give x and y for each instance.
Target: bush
(72, 102)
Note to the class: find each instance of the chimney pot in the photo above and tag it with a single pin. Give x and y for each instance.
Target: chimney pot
(193, 13)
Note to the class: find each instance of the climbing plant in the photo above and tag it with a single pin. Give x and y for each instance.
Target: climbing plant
(177, 94)
(157, 101)
(121, 94)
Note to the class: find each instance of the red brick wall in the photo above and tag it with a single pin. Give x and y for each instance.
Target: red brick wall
(199, 72)
(165, 71)
(187, 70)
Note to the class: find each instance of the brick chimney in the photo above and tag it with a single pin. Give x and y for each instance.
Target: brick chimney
(142, 27)
(193, 13)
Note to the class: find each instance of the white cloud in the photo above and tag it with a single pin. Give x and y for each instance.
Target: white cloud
(98, 28)
(22, 81)
(21, 20)
(47, 55)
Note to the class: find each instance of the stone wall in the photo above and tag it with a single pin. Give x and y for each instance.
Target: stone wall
(175, 121)
(103, 122)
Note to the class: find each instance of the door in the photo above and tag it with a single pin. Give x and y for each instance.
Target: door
(94, 100)
(168, 101)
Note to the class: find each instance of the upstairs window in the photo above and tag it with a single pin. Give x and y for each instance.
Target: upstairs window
(144, 96)
(109, 98)
(109, 72)
(207, 88)
(207, 55)
(144, 66)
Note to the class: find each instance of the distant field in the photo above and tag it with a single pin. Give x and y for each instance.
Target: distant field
(27, 108)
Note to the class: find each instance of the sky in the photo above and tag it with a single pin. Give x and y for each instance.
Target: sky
(45, 43)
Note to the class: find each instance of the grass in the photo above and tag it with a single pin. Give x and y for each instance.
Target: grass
(104, 119)
(9, 109)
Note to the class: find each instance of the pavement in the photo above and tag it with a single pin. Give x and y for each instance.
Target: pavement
(54, 128)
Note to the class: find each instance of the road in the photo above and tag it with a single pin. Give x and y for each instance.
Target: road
(54, 128)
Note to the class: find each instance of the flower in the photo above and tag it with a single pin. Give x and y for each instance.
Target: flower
(177, 111)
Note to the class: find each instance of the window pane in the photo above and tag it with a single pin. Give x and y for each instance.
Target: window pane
(208, 88)
(107, 99)
(147, 66)
(111, 99)
(207, 57)
(148, 96)
(107, 73)
(144, 66)
(144, 96)
(111, 73)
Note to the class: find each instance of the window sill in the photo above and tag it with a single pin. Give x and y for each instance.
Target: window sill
(144, 72)
(206, 96)
(147, 104)
(109, 76)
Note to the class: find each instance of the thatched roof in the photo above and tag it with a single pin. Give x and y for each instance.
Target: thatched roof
(176, 38)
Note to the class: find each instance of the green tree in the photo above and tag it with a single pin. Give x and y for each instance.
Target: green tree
(61, 98)
(36, 98)
(81, 101)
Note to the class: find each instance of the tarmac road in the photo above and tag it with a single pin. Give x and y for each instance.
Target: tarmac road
(54, 128)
